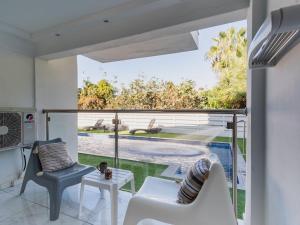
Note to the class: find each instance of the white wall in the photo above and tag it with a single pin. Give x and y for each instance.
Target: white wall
(282, 136)
(273, 187)
(56, 88)
(283, 146)
(16, 80)
(16, 90)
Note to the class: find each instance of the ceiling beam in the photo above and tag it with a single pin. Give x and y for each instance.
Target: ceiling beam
(145, 36)
(160, 46)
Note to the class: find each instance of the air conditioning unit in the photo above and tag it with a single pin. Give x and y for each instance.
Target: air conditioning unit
(17, 129)
(278, 34)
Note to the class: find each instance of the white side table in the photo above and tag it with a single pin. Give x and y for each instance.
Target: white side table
(119, 179)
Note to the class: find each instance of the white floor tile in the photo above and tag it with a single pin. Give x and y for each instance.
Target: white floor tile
(32, 207)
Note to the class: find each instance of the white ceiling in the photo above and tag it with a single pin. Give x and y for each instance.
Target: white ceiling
(154, 47)
(34, 15)
(81, 27)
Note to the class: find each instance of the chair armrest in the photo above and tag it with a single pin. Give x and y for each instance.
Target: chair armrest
(155, 202)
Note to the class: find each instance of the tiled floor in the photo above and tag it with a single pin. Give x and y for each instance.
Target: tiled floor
(31, 208)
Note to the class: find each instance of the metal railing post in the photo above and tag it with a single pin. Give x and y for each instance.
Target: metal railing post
(116, 123)
(234, 162)
(244, 136)
(47, 126)
(244, 139)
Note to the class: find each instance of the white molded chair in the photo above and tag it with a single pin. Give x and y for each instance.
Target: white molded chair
(157, 200)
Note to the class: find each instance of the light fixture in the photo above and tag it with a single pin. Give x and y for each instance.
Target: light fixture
(277, 35)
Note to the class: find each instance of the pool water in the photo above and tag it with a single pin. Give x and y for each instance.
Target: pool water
(217, 151)
(224, 153)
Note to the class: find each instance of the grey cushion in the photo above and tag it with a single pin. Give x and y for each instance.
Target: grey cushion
(194, 181)
(54, 156)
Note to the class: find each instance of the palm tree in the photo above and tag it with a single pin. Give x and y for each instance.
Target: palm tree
(228, 58)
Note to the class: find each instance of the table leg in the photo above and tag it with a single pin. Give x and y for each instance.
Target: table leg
(81, 198)
(101, 193)
(114, 204)
(132, 186)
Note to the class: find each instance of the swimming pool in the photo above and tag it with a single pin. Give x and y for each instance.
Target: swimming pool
(224, 153)
(157, 150)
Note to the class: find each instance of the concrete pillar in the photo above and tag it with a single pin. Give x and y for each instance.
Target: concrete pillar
(255, 186)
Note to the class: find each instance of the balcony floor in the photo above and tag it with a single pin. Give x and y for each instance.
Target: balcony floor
(31, 208)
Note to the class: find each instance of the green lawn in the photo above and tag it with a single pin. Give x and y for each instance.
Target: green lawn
(241, 202)
(143, 169)
(140, 169)
(241, 197)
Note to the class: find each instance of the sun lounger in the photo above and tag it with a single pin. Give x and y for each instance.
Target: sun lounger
(98, 126)
(151, 129)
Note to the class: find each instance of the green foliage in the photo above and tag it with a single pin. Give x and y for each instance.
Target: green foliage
(140, 169)
(228, 58)
(158, 94)
(95, 96)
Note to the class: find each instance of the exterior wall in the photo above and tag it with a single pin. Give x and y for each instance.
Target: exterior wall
(56, 88)
(282, 136)
(255, 183)
(273, 186)
(17, 91)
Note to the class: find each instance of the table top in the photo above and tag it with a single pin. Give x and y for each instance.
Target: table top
(119, 177)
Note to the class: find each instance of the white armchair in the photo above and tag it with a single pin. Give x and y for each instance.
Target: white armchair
(157, 200)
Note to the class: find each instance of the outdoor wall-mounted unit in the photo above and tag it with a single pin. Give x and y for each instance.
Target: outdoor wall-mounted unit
(17, 129)
(278, 34)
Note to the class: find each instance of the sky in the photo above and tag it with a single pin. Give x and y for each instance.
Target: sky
(177, 67)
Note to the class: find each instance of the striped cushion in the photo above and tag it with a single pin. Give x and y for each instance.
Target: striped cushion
(54, 157)
(194, 181)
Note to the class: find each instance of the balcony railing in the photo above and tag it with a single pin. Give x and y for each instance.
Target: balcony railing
(183, 137)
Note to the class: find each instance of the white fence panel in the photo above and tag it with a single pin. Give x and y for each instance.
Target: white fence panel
(169, 122)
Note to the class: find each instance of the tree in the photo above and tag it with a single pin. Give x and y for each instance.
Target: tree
(95, 96)
(158, 94)
(228, 58)
(139, 94)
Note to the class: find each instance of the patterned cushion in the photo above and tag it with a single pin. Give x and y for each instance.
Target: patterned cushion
(194, 181)
(54, 157)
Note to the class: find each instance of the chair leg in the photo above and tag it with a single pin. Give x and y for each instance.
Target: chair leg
(24, 183)
(55, 202)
